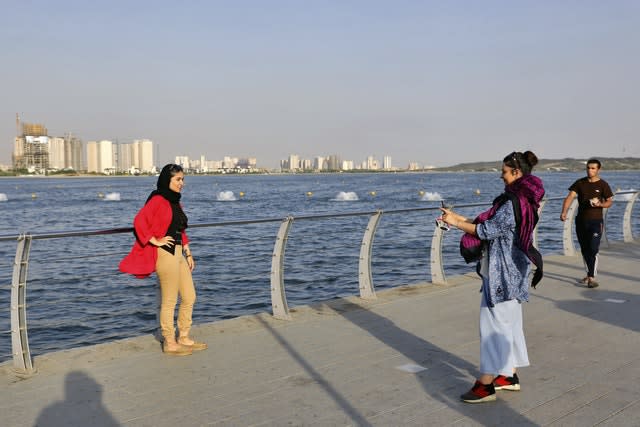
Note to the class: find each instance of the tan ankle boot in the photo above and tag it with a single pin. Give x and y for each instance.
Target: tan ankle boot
(193, 345)
(173, 348)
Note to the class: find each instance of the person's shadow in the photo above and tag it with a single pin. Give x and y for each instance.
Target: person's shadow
(82, 405)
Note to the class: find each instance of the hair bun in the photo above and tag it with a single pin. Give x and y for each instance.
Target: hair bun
(530, 158)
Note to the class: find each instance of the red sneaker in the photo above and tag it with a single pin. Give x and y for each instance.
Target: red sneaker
(507, 383)
(479, 393)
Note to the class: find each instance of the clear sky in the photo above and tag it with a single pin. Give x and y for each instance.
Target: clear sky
(436, 82)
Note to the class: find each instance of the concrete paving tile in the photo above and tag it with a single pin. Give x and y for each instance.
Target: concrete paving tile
(629, 416)
(599, 409)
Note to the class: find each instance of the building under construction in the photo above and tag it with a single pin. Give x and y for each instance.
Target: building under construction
(32, 149)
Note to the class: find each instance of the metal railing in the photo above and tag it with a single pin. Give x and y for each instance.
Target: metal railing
(22, 361)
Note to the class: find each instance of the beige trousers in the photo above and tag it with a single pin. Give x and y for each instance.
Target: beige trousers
(175, 279)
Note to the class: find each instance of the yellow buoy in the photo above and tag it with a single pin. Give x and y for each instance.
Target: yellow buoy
(241, 194)
(309, 193)
(34, 195)
(421, 192)
(372, 193)
(100, 195)
(477, 191)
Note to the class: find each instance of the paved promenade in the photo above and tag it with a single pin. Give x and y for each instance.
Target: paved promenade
(401, 360)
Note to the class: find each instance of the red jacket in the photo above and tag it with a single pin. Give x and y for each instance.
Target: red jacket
(152, 220)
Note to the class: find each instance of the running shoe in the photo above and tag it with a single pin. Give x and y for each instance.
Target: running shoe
(480, 393)
(507, 383)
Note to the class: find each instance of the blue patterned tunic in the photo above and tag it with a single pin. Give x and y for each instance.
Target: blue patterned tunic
(508, 275)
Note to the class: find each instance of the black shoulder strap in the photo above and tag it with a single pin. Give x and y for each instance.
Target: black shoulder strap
(533, 253)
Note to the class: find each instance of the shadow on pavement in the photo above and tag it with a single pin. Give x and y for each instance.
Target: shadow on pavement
(612, 307)
(82, 405)
(447, 376)
(337, 397)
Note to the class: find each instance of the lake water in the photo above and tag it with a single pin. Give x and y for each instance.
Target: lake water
(76, 296)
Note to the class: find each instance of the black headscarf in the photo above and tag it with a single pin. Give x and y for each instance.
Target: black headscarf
(173, 197)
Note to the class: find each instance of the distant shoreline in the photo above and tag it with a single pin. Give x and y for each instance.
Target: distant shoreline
(567, 165)
(426, 171)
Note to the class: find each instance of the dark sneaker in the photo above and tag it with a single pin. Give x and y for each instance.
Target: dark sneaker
(507, 383)
(480, 393)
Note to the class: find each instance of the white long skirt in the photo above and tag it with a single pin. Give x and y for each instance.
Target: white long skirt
(502, 344)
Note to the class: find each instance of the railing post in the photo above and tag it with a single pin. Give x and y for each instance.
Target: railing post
(535, 230)
(567, 230)
(367, 291)
(19, 338)
(604, 239)
(627, 231)
(437, 268)
(278, 296)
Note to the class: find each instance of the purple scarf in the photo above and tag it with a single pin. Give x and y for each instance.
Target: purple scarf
(525, 194)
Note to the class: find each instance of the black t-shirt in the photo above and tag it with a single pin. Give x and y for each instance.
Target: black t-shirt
(588, 190)
(176, 228)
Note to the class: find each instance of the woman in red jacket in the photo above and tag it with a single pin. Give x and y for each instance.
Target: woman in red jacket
(163, 246)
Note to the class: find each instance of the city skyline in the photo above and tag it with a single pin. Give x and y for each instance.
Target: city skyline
(428, 82)
(364, 161)
(36, 151)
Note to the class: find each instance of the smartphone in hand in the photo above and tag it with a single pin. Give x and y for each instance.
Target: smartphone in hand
(439, 222)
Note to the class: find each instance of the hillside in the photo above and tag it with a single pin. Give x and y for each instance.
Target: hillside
(568, 164)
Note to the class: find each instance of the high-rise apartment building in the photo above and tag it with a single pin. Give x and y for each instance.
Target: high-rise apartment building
(306, 164)
(136, 156)
(372, 163)
(56, 153)
(73, 153)
(101, 157)
(333, 162)
(229, 162)
(294, 162)
(182, 161)
(386, 162)
(347, 165)
(143, 155)
(319, 163)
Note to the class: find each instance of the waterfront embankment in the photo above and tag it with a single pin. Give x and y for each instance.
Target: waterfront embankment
(401, 359)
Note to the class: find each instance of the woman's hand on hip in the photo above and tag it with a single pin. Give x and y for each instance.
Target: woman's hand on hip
(163, 241)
